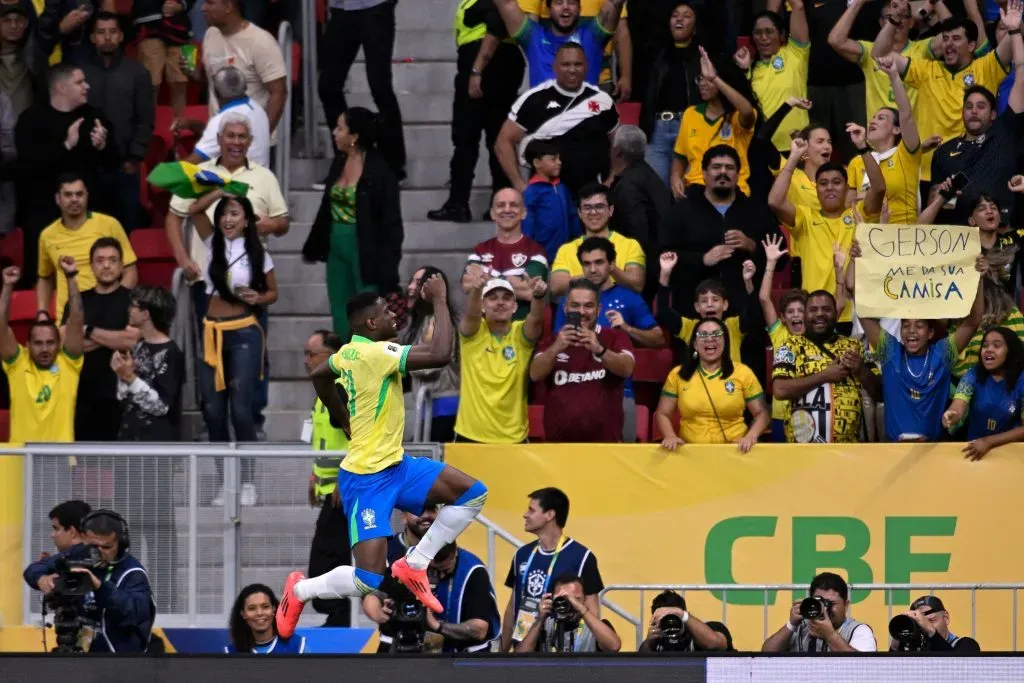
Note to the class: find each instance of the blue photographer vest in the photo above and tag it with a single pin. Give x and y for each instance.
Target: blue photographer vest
(450, 593)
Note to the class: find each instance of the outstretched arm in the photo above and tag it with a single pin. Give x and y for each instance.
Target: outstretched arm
(908, 126)
(773, 252)
(8, 344)
(745, 108)
(438, 351)
(74, 331)
(969, 325)
(876, 193)
(778, 198)
(1016, 100)
(513, 17)
(798, 28)
(609, 15)
(839, 37)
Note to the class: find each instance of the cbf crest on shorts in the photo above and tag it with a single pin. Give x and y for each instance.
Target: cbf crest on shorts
(369, 518)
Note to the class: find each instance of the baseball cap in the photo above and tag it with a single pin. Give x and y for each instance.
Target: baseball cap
(498, 283)
(13, 7)
(930, 601)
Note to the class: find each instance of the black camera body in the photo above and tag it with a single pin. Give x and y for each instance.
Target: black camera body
(69, 583)
(815, 608)
(563, 611)
(409, 621)
(674, 636)
(908, 635)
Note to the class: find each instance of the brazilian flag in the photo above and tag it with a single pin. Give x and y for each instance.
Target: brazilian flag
(190, 181)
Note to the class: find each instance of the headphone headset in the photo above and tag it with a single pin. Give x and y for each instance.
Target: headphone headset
(123, 537)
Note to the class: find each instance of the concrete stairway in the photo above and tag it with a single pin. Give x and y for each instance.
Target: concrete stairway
(423, 71)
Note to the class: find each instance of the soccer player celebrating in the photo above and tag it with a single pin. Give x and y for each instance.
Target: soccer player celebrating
(376, 475)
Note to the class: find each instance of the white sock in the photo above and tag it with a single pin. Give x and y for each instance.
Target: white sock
(335, 584)
(451, 521)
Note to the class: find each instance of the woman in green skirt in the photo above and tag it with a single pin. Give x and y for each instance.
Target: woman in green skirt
(358, 229)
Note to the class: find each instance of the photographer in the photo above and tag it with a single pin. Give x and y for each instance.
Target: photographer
(101, 584)
(566, 624)
(462, 585)
(820, 624)
(673, 629)
(925, 627)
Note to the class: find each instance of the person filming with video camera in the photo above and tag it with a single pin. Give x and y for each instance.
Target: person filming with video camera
(674, 629)
(99, 592)
(820, 623)
(925, 628)
(565, 624)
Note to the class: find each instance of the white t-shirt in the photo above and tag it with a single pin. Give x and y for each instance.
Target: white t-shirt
(254, 52)
(259, 149)
(239, 269)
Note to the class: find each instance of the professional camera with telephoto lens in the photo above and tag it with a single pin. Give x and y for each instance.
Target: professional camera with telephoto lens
(908, 635)
(673, 634)
(69, 583)
(563, 610)
(409, 620)
(69, 587)
(815, 607)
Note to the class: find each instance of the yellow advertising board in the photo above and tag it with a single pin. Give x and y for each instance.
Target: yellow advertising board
(916, 271)
(12, 509)
(878, 513)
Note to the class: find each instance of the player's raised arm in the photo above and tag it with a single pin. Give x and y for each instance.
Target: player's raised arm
(438, 352)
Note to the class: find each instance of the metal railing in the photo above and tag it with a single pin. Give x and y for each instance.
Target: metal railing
(283, 153)
(310, 61)
(726, 588)
(495, 532)
(198, 556)
(423, 416)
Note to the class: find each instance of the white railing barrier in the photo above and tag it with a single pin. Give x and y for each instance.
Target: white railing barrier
(198, 556)
(726, 588)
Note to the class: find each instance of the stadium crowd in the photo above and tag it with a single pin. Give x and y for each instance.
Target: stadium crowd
(690, 279)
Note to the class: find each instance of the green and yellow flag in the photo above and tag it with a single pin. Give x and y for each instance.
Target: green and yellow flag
(190, 181)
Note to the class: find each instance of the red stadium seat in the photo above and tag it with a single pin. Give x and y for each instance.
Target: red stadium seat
(156, 259)
(536, 416)
(12, 251)
(656, 433)
(5, 426)
(643, 424)
(23, 313)
(629, 113)
(652, 365)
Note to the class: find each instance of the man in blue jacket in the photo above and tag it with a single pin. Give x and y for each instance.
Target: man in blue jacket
(120, 607)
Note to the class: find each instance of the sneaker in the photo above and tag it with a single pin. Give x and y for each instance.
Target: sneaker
(417, 582)
(290, 608)
(218, 500)
(248, 495)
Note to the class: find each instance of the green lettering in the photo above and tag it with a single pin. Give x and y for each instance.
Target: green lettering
(44, 394)
(350, 389)
(718, 555)
(900, 562)
(808, 560)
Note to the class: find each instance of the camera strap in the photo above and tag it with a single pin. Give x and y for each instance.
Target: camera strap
(562, 542)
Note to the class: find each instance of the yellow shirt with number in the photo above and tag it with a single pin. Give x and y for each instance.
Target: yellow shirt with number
(877, 87)
(628, 252)
(588, 8)
(778, 78)
(698, 134)
(43, 399)
(58, 240)
(492, 405)
(941, 96)
(902, 174)
(710, 407)
(371, 374)
(815, 234)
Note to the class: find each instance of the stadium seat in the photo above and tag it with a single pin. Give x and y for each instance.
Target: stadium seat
(23, 313)
(156, 263)
(5, 426)
(629, 113)
(652, 365)
(536, 417)
(643, 424)
(12, 251)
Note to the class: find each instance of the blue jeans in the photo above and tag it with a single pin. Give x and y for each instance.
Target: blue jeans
(659, 148)
(261, 397)
(242, 351)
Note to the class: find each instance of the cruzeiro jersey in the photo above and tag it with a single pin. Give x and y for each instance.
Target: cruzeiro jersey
(371, 374)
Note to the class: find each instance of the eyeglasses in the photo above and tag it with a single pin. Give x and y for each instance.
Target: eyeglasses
(593, 208)
(714, 334)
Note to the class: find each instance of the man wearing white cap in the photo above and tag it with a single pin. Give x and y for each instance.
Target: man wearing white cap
(496, 355)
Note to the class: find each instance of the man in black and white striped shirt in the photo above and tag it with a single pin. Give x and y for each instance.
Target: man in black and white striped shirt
(575, 115)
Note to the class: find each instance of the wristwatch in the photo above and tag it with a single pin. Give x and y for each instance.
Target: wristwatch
(476, 72)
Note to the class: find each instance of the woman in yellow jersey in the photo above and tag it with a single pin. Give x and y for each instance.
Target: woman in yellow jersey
(803, 190)
(710, 392)
(725, 117)
(240, 279)
(780, 71)
(896, 146)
